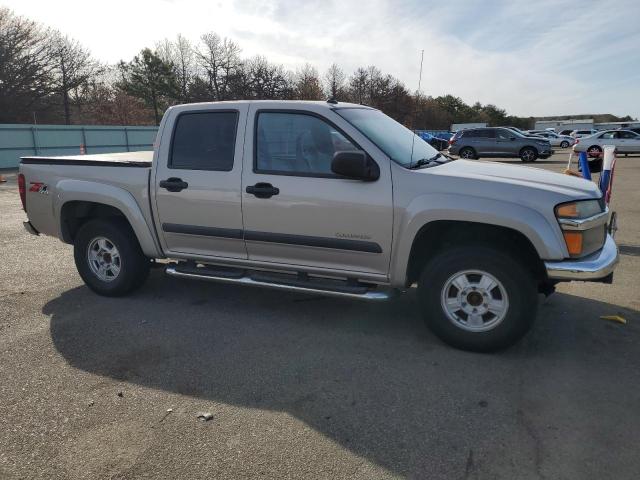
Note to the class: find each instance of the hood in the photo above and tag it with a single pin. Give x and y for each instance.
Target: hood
(530, 177)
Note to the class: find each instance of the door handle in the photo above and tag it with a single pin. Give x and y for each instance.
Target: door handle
(263, 190)
(173, 184)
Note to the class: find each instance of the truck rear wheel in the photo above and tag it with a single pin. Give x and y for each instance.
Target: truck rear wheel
(108, 257)
(477, 298)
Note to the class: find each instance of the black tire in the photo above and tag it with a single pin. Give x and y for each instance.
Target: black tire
(528, 154)
(468, 153)
(594, 151)
(564, 144)
(133, 265)
(515, 279)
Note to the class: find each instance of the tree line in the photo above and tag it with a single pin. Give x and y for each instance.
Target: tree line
(48, 77)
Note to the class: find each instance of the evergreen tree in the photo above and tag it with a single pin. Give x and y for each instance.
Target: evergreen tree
(151, 79)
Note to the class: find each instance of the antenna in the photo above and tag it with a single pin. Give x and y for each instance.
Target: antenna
(415, 110)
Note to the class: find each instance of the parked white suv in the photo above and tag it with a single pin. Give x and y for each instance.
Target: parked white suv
(582, 133)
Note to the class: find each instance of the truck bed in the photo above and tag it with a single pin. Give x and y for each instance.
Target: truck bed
(141, 159)
(112, 178)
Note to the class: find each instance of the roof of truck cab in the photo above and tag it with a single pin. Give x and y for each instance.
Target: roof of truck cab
(291, 103)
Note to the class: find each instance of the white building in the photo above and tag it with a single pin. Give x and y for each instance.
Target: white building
(462, 126)
(559, 125)
(616, 125)
(583, 124)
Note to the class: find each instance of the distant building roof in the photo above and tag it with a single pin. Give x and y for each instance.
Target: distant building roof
(573, 121)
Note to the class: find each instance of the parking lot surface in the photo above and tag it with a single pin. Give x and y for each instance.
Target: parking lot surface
(306, 386)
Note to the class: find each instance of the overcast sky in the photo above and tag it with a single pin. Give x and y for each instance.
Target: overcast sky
(531, 57)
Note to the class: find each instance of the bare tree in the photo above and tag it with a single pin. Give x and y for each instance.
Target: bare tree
(375, 85)
(25, 66)
(220, 59)
(73, 67)
(180, 54)
(308, 83)
(358, 83)
(264, 80)
(334, 82)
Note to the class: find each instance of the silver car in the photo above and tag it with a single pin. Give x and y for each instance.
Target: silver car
(498, 142)
(625, 141)
(556, 140)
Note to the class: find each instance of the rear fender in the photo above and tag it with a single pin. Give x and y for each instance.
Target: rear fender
(80, 190)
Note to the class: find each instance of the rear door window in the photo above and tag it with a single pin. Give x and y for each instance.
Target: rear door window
(627, 135)
(204, 141)
(503, 134)
(484, 133)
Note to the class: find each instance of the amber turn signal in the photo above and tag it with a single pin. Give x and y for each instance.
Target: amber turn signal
(568, 210)
(574, 242)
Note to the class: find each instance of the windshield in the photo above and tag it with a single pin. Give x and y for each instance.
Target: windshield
(397, 141)
(520, 133)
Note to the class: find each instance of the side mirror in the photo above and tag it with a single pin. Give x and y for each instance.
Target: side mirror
(357, 165)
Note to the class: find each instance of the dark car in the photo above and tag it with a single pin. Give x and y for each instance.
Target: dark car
(498, 142)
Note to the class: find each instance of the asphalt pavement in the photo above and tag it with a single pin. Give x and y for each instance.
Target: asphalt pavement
(305, 386)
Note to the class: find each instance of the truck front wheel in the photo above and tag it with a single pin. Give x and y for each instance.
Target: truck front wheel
(108, 257)
(477, 298)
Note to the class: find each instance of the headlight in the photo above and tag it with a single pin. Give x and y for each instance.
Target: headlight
(579, 222)
(578, 210)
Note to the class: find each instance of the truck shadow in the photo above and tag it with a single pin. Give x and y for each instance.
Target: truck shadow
(370, 377)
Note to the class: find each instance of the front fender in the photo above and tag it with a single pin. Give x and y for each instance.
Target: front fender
(81, 190)
(543, 233)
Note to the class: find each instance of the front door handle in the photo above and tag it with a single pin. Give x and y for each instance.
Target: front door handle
(263, 190)
(173, 184)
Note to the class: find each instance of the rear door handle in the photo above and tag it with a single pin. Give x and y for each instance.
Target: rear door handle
(173, 184)
(263, 190)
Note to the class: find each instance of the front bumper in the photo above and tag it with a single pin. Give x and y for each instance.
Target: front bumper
(593, 267)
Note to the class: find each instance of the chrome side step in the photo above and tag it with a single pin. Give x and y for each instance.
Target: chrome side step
(258, 280)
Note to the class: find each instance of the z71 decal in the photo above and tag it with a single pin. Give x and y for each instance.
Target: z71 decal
(39, 187)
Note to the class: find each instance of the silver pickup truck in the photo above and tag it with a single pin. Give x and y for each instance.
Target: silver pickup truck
(329, 198)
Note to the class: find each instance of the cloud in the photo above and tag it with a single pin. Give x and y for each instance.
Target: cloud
(532, 58)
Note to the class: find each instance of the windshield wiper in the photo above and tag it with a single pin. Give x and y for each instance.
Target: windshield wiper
(431, 162)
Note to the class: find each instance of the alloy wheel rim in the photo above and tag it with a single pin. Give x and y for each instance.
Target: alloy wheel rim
(104, 259)
(474, 300)
(527, 155)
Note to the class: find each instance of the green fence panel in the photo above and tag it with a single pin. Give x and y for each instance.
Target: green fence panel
(50, 140)
(141, 136)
